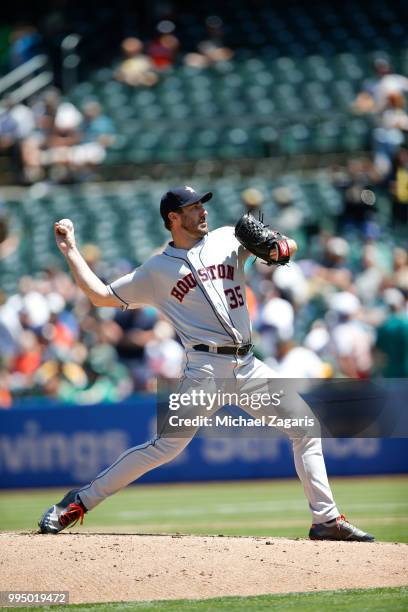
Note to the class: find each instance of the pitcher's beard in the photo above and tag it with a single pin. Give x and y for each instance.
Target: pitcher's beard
(197, 231)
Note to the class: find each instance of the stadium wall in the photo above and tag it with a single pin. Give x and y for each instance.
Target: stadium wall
(44, 445)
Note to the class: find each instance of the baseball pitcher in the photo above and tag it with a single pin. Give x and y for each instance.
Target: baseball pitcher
(198, 284)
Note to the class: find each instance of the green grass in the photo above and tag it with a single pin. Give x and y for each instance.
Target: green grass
(263, 508)
(374, 600)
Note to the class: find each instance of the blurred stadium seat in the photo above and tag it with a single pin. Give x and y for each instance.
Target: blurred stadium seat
(128, 224)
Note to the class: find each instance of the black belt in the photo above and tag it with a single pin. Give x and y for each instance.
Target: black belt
(244, 349)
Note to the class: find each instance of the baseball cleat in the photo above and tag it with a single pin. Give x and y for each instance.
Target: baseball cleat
(64, 514)
(339, 529)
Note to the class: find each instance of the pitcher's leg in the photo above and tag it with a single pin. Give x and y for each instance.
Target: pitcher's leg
(127, 468)
(311, 469)
(308, 454)
(136, 461)
(130, 466)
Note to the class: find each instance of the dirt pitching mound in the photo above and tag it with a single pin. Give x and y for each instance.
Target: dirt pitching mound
(125, 567)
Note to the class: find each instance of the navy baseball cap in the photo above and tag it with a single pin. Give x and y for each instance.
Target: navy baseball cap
(180, 197)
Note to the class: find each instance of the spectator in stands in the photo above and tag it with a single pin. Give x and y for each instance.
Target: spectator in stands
(100, 378)
(392, 337)
(318, 340)
(275, 322)
(6, 399)
(28, 358)
(16, 125)
(165, 356)
(10, 326)
(373, 95)
(290, 217)
(96, 126)
(211, 50)
(164, 48)
(399, 275)
(369, 280)
(291, 282)
(136, 331)
(137, 69)
(352, 340)
(399, 188)
(60, 375)
(65, 130)
(9, 241)
(332, 269)
(24, 118)
(25, 41)
(47, 351)
(9, 348)
(295, 361)
(252, 199)
(93, 134)
(45, 108)
(390, 134)
(9, 135)
(357, 185)
(60, 153)
(66, 145)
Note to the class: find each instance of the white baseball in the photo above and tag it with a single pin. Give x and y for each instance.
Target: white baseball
(64, 226)
(67, 223)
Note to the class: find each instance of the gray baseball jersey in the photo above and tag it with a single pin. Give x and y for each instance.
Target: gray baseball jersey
(201, 291)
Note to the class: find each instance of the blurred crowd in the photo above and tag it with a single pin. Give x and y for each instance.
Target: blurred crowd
(384, 98)
(333, 312)
(50, 138)
(162, 47)
(142, 63)
(327, 314)
(341, 308)
(55, 344)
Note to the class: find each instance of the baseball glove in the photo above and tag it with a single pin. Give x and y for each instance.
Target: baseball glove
(260, 240)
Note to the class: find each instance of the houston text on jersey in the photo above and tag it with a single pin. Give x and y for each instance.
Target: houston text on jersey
(183, 286)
